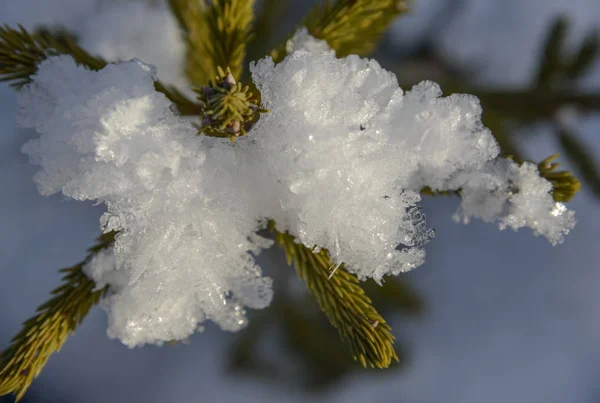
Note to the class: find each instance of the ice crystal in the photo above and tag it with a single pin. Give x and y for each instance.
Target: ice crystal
(339, 162)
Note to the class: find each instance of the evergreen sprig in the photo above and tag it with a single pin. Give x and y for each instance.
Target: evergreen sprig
(46, 332)
(580, 156)
(268, 18)
(342, 299)
(530, 105)
(191, 15)
(229, 25)
(216, 33)
(228, 108)
(552, 61)
(350, 26)
(22, 51)
(558, 66)
(564, 184)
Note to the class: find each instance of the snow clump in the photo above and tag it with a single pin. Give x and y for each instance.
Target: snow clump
(339, 162)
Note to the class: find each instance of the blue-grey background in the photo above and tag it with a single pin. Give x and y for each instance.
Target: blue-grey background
(508, 319)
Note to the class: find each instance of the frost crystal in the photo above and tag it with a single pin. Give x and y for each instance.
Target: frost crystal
(185, 229)
(516, 196)
(339, 162)
(102, 269)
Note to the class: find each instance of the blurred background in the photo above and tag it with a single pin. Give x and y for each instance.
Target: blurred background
(493, 316)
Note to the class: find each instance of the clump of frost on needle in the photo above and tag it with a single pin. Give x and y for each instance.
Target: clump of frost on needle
(339, 162)
(185, 230)
(349, 151)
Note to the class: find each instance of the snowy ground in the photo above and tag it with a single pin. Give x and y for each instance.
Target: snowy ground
(509, 317)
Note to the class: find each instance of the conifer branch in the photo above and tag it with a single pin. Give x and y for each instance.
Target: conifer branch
(22, 51)
(185, 11)
(427, 191)
(552, 62)
(581, 157)
(535, 104)
(46, 332)
(268, 17)
(216, 33)
(564, 185)
(350, 26)
(228, 108)
(557, 66)
(501, 131)
(584, 58)
(192, 18)
(344, 302)
(229, 25)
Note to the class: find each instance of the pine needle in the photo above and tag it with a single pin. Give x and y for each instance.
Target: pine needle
(267, 21)
(192, 18)
(46, 332)
(344, 302)
(216, 34)
(552, 60)
(427, 191)
(22, 51)
(564, 184)
(350, 26)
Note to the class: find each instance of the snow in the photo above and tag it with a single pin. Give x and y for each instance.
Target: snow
(517, 197)
(102, 269)
(382, 146)
(338, 162)
(508, 318)
(184, 233)
(114, 29)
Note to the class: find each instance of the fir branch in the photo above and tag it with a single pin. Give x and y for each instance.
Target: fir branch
(585, 57)
(185, 11)
(581, 157)
(216, 33)
(324, 358)
(530, 105)
(228, 108)
(564, 184)
(427, 191)
(47, 331)
(22, 51)
(557, 67)
(229, 25)
(344, 302)
(350, 26)
(552, 62)
(192, 18)
(268, 18)
(501, 131)
(183, 104)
